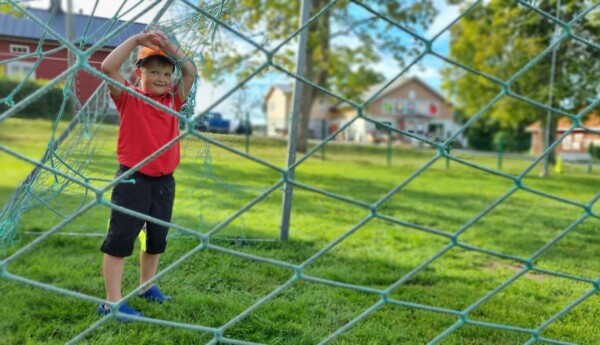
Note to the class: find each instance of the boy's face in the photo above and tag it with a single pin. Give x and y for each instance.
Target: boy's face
(154, 77)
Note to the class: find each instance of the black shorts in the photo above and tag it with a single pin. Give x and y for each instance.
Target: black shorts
(152, 196)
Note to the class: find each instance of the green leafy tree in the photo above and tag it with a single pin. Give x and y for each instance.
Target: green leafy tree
(341, 44)
(9, 9)
(499, 38)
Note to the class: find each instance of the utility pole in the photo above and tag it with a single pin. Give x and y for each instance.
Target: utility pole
(293, 129)
(70, 55)
(70, 31)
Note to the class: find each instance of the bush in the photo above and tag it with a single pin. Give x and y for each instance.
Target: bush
(512, 141)
(595, 151)
(46, 106)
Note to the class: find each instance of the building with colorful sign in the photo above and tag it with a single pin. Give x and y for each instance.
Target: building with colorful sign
(407, 104)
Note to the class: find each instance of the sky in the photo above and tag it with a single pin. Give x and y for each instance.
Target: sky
(105, 8)
(208, 94)
(429, 70)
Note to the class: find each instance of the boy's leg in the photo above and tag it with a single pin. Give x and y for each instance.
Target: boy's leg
(148, 262)
(161, 208)
(123, 230)
(156, 236)
(113, 274)
(148, 267)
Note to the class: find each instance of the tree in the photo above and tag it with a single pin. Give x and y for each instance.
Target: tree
(9, 9)
(343, 68)
(500, 38)
(244, 105)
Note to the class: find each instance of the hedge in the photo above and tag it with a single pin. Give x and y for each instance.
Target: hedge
(46, 106)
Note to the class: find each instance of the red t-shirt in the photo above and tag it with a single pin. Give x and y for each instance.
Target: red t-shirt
(144, 129)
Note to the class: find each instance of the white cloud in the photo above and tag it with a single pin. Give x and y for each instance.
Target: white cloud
(447, 14)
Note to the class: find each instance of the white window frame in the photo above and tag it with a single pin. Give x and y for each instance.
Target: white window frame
(23, 69)
(412, 110)
(566, 143)
(19, 49)
(577, 141)
(420, 127)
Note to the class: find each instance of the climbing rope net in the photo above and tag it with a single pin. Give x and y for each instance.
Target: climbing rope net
(67, 167)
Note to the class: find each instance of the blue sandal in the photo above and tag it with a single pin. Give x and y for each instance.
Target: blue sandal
(123, 309)
(154, 295)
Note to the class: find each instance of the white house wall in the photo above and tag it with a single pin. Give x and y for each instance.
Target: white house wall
(277, 112)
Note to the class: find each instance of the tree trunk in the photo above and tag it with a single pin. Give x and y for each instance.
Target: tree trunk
(547, 140)
(553, 132)
(305, 106)
(315, 70)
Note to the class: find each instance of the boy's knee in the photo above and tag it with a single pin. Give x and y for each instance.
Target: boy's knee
(156, 239)
(117, 248)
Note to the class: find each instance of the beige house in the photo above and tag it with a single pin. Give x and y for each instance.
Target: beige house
(278, 104)
(407, 104)
(278, 107)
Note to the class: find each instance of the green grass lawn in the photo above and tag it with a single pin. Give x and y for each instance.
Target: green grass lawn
(342, 278)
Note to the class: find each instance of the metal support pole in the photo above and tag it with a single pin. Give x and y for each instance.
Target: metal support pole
(323, 136)
(592, 151)
(500, 152)
(70, 28)
(389, 148)
(247, 131)
(70, 31)
(448, 147)
(293, 131)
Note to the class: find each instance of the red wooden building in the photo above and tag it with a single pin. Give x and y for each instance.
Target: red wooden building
(20, 39)
(578, 140)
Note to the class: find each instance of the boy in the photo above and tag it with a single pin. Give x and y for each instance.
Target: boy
(143, 130)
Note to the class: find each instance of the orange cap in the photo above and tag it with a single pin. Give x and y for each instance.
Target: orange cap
(146, 52)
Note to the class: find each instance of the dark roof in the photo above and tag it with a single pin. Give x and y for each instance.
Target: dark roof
(27, 28)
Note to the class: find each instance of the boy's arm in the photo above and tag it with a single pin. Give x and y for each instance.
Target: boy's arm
(112, 63)
(188, 70)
